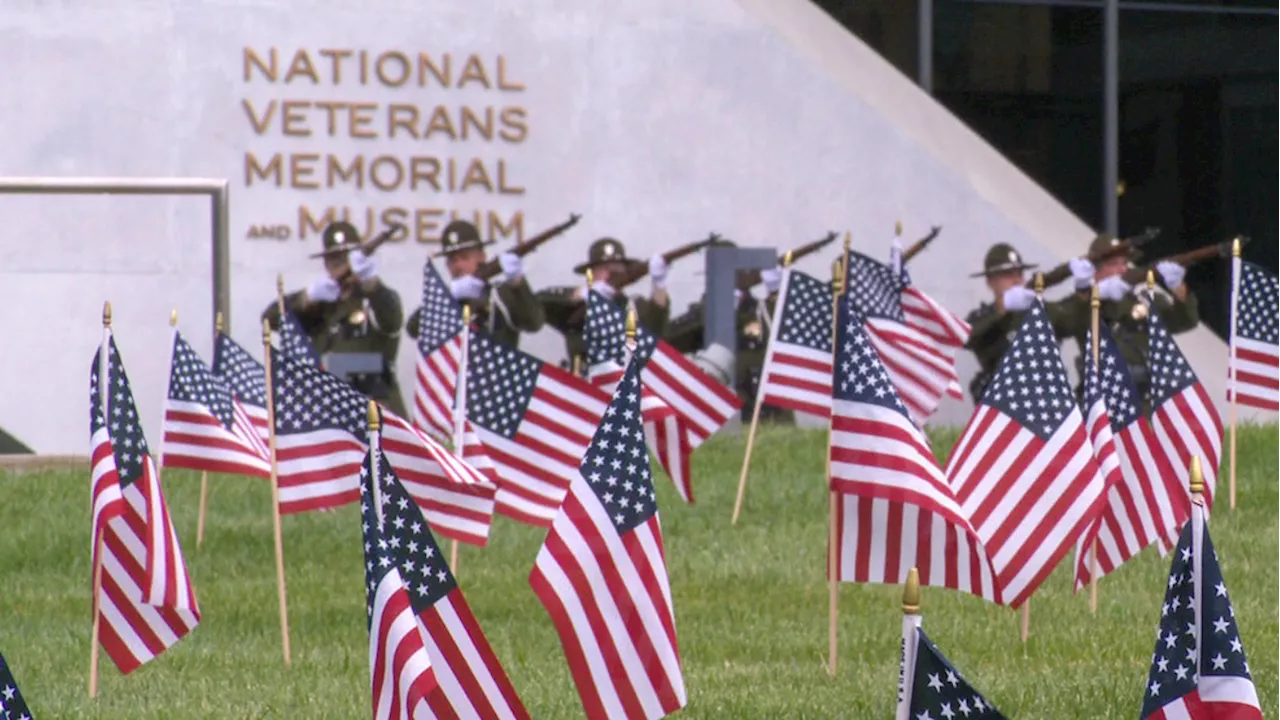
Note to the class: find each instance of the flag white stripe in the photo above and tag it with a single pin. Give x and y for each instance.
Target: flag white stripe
(471, 656)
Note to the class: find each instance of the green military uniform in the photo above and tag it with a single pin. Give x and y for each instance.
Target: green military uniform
(366, 318)
(1126, 319)
(992, 330)
(504, 310)
(563, 306)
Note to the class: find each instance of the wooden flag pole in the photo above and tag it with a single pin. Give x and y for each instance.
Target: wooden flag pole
(833, 514)
(218, 329)
(1095, 306)
(1026, 605)
(460, 412)
(1232, 388)
(275, 494)
(751, 433)
(104, 381)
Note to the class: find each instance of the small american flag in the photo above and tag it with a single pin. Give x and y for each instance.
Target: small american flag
(939, 692)
(602, 574)
(896, 510)
(440, 348)
(796, 374)
(919, 368)
(294, 341)
(146, 603)
(665, 430)
(205, 427)
(1255, 340)
(401, 676)
(948, 331)
(1185, 420)
(12, 706)
(246, 377)
(471, 680)
(1142, 505)
(1198, 669)
(321, 426)
(1023, 469)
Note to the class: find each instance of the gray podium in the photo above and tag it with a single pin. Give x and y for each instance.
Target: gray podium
(719, 309)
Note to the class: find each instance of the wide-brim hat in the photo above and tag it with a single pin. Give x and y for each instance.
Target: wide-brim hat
(605, 250)
(1002, 258)
(339, 237)
(460, 235)
(1103, 246)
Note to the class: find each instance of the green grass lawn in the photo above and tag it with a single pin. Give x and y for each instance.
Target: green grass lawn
(751, 605)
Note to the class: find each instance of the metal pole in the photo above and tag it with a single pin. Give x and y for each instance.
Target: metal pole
(222, 255)
(924, 25)
(1111, 115)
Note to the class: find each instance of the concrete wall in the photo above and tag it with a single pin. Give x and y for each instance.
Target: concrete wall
(659, 120)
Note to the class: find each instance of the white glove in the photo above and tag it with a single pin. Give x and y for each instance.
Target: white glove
(511, 265)
(658, 271)
(468, 287)
(1113, 288)
(604, 289)
(772, 279)
(1082, 272)
(737, 296)
(362, 265)
(324, 289)
(1018, 298)
(1172, 272)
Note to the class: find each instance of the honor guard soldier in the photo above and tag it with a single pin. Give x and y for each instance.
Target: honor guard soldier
(994, 324)
(606, 259)
(685, 334)
(352, 319)
(1122, 308)
(504, 310)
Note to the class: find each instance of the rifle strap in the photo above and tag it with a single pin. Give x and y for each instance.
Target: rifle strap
(497, 306)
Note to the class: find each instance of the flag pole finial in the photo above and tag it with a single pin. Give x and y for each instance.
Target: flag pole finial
(589, 278)
(280, 283)
(786, 259)
(631, 325)
(897, 228)
(1235, 246)
(466, 314)
(837, 276)
(848, 241)
(1094, 302)
(218, 323)
(373, 416)
(106, 314)
(1197, 479)
(911, 593)
(173, 318)
(1151, 280)
(1039, 284)
(266, 332)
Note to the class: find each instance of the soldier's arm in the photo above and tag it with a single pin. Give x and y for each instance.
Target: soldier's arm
(523, 307)
(1179, 315)
(1070, 316)
(685, 332)
(411, 325)
(652, 315)
(984, 328)
(388, 313)
(558, 305)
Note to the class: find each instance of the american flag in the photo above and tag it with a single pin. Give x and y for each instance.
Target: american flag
(294, 341)
(246, 377)
(457, 498)
(665, 430)
(205, 427)
(146, 603)
(896, 510)
(602, 574)
(948, 331)
(12, 706)
(796, 374)
(1198, 669)
(471, 680)
(531, 420)
(920, 369)
(1185, 420)
(1023, 469)
(1255, 340)
(939, 692)
(321, 428)
(401, 676)
(1143, 504)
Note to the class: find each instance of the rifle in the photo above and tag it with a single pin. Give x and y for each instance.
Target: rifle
(1126, 245)
(493, 266)
(1137, 275)
(369, 247)
(919, 245)
(639, 270)
(748, 279)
